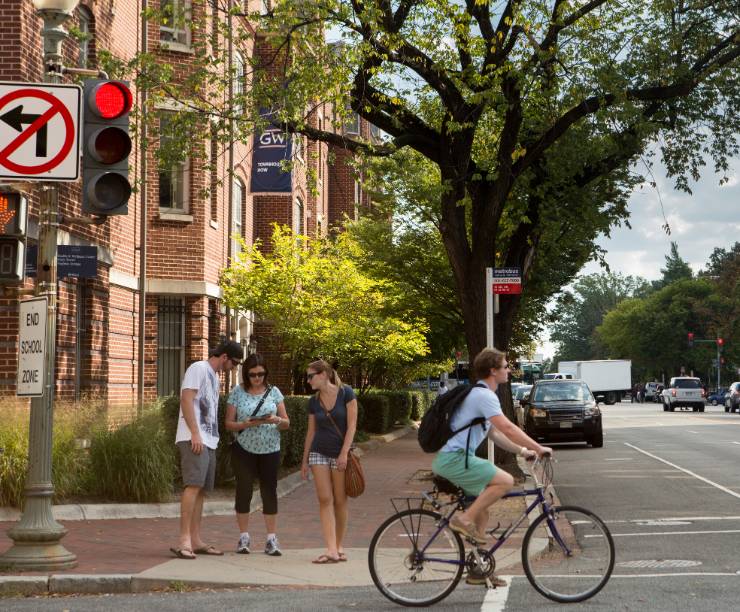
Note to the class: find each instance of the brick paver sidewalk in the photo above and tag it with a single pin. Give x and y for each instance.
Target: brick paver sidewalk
(132, 546)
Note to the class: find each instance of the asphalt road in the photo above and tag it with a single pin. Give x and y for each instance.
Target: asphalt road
(667, 484)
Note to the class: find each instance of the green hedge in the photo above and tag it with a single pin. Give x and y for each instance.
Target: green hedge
(292, 439)
(133, 463)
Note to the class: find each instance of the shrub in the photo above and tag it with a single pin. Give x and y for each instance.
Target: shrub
(377, 412)
(292, 439)
(13, 455)
(134, 462)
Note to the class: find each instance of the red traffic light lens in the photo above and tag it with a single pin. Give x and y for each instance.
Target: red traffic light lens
(112, 100)
(110, 145)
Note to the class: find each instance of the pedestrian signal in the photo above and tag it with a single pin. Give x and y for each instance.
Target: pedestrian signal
(13, 209)
(106, 147)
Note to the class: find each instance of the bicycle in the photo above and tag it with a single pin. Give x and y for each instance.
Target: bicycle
(415, 558)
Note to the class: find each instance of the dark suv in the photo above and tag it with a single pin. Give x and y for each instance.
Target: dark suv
(562, 410)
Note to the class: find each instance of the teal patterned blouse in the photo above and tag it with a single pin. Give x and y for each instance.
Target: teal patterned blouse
(264, 438)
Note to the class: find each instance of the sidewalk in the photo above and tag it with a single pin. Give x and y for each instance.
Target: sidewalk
(123, 555)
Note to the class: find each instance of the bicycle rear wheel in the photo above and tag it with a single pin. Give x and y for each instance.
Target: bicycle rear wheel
(413, 561)
(568, 554)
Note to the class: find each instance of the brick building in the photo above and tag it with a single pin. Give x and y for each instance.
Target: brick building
(190, 216)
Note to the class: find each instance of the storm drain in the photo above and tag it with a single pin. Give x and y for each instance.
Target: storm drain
(659, 563)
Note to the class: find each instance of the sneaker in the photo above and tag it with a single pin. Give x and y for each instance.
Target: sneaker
(480, 579)
(243, 547)
(272, 547)
(469, 530)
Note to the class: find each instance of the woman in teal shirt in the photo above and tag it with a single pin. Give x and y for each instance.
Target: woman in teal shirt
(256, 413)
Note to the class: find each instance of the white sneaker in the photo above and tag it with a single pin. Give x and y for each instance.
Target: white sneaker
(243, 547)
(272, 547)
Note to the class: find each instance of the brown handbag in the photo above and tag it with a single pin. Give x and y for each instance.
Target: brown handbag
(354, 477)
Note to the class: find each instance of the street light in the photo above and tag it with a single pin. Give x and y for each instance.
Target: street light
(36, 537)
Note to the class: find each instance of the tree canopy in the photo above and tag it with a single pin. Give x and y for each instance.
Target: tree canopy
(319, 303)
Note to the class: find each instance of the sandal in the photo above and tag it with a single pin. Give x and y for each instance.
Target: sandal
(323, 559)
(208, 549)
(182, 553)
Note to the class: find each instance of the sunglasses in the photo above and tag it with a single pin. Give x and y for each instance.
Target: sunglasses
(257, 374)
(236, 362)
(310, 375)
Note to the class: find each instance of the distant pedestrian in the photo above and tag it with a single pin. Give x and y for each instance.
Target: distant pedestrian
(256, 413)
(332, 408)
(640, 393)
(442, 389)
(197, 439)
(633, 395)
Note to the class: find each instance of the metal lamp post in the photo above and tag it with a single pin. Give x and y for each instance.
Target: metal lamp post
(37, 535)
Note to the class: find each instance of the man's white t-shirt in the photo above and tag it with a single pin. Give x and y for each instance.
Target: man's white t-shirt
(201, 377)
(480, 402)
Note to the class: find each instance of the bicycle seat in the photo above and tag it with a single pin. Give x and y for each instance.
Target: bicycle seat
(445, 486)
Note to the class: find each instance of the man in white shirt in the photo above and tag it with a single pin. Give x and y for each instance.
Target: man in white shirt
(197, 440)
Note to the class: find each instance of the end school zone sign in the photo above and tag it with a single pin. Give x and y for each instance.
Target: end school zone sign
(32, 348)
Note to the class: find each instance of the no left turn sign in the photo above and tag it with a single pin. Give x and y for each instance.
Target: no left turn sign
(39, 131)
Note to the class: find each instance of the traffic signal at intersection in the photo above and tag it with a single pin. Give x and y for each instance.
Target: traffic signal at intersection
(691, 338)
(106, 147)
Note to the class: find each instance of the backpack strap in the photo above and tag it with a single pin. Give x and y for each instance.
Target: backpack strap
(476, 421)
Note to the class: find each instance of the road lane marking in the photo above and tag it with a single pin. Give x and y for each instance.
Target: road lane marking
(495, 599)
(624, 458)
(685, 471)
(662, 533)
(694, 432)
(676, 518)
(735, 442)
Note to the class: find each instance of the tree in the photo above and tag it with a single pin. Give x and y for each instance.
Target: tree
(527, 113)
(579, 311)
(676, 269)
(319, 303)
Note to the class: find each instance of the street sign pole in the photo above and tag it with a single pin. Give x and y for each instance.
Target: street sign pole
(489, 307)
(36, 537)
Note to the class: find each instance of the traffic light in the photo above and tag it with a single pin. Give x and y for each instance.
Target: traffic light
(720, 342)
(107, 146)
(691, 339)
(13, 209)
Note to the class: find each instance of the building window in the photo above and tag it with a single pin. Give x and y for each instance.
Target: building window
(298, 217)
(170, 345)
(298, 146)
(237, 218)
(238, 87)
(80, 334)
(174, 179)
(175, 26)
(264, 7)
(358, 198)
(85, 36)
(352, 125)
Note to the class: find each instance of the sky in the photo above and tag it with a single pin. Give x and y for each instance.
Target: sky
(708, 218)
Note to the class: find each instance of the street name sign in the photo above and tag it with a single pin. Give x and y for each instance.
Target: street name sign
(507, 280)
(32, 348)
(39, 131)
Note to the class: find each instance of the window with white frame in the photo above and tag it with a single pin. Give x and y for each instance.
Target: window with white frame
(358, 197)
(238, 86)
(237, 216)
(298, 146)
(352, 125)
(298, 216)
(85, 35)
(264, 7)
(175, 25)
(174, 178)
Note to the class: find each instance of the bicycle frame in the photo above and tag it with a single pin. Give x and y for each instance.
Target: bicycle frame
(539, 500)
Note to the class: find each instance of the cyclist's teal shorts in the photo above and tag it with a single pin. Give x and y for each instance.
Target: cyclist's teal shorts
(473, 480)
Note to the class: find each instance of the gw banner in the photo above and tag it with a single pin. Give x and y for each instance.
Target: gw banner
(271, 148)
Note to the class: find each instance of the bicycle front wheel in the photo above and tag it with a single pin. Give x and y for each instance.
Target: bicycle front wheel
(413, 561)
(568, 554)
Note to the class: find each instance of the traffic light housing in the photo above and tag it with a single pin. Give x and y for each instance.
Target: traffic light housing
(691, 339)
(13, 219)
(106, 147)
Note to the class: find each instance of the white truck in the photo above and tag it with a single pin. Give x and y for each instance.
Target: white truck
(608, 379)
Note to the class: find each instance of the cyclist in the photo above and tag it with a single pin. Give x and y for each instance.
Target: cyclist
(478, 477)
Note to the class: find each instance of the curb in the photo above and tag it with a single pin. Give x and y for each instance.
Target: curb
(90, 512)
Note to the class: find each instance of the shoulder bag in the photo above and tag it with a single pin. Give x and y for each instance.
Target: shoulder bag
(354, 477)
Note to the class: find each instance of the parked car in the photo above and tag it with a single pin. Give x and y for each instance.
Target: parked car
(717, 397)
(683, 391)
(652, 391)
(732, 398)
(522, 392)
(562, 410)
